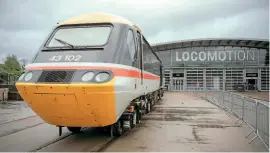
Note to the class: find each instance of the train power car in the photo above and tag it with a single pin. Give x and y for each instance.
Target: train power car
(93, 70)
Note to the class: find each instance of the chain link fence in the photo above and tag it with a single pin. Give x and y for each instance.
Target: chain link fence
(253, 112)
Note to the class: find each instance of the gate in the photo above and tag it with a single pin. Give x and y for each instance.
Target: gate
(177, 84)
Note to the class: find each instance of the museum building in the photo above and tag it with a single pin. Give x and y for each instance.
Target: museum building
(223, 64)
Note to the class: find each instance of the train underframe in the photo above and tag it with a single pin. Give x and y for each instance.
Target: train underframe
(131, 117)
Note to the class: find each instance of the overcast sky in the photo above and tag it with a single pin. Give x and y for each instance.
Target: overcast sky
(24, 24)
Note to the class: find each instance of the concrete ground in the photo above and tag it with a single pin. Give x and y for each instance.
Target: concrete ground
(184, 122)
(14, 110)
(178, 122)
(29, 139)
(22, 130)
(256, 95)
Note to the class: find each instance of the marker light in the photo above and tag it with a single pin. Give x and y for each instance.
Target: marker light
(21, 77)
(102, 77)
(28, 76)
(88, 76)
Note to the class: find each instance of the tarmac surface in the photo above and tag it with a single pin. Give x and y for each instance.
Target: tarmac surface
(178, 122)
(184, 122)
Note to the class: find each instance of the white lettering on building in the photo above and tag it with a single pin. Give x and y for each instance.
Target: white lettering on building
(251, 56)
(215, 55)
(223, 57)
(177, 57)
(241, 57)
(212, 56)
(192, 57)
(202, 56)
(230, 54)
(185, 56)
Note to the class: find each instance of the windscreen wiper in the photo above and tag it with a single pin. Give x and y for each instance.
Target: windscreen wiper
(63, 42)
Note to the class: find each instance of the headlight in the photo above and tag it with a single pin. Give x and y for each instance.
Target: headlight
(28, 76)
(21, 77)
(88, 76)
(102, 77)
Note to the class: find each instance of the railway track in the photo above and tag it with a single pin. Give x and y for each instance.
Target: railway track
(82, 141)
(34, 121)
(21, 119)
(51, 142)
(19, 125)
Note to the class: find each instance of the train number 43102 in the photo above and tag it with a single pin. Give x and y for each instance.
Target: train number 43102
(69, 58)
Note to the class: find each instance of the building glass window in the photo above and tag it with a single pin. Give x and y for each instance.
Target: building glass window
(214, 79)
(265, 79)
(264, 57)
(251, 57)
(195, 79)
(165, 57)
(234, 76)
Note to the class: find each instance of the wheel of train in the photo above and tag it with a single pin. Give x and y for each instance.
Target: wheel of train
(132, 123)
(139, 116)
(148, 106)
(153, 100)
(118, 128)
(74, 129)
(159, 95)
(156, 97)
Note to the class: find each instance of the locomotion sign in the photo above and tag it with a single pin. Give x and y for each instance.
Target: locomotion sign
(215, 55)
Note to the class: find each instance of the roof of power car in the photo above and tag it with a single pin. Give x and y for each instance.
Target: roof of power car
(98, 17)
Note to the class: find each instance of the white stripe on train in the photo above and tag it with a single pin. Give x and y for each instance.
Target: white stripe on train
(88, 64)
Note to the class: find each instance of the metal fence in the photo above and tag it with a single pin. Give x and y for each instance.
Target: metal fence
(7, 78)
(253, 112)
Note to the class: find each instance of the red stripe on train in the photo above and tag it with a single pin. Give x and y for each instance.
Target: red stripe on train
(117, 71)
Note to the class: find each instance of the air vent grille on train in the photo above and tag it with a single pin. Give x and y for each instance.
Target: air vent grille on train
(56, 76)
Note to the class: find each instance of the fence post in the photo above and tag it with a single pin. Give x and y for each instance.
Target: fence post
(230, 108)
(223, 93)
(205, 93)
(256, 126)
(243, 111)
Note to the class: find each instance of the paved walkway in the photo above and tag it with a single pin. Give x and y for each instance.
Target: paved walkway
(184, 122)
(257, 95)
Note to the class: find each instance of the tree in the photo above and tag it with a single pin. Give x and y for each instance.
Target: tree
(12, 65)
(2, 66)
(10, 70)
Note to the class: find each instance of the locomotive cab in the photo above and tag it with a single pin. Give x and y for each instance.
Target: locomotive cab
(88, 71)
